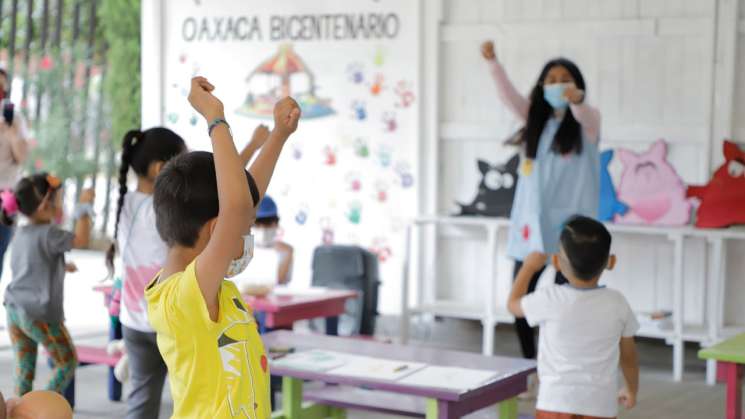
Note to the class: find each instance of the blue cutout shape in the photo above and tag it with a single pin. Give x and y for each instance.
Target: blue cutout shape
(609, 204)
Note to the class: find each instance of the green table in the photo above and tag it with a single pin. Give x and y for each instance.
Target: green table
(730, 357)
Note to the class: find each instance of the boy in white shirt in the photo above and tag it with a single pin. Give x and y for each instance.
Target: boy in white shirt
(274, 257)
(267, 225)
(586, 329)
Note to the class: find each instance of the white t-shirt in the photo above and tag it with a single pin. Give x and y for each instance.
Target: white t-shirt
(578, 352)
(263, 271)
(143, 253)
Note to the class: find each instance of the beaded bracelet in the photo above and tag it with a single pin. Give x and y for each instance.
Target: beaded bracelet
(216, 122)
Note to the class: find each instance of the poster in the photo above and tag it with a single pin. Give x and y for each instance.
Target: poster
(348, 176)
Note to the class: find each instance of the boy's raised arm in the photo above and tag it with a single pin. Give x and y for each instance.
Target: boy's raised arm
(258, 139)
(286, 117)
(232, 192)
(532, 264)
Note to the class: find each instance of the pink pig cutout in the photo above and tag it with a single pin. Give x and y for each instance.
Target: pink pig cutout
(654, 192)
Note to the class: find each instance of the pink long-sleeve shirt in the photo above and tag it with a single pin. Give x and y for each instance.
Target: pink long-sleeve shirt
(587, 116)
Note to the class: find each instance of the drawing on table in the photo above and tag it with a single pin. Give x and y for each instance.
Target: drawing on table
(377, 369)
(449, 377)
(313, 360)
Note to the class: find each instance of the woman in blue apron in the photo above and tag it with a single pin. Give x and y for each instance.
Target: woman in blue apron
(559, 168)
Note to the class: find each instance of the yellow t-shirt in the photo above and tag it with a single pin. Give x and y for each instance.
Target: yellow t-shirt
(216, 369)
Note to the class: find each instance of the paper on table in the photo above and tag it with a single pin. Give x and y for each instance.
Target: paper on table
(376, 369)
(313, 360)
(449, 378)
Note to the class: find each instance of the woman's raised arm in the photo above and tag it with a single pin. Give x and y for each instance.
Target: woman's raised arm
(508, 94)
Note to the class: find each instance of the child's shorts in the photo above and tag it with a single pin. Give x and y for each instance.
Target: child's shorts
(542, 414)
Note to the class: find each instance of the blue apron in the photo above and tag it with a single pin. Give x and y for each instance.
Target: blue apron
(550, 189)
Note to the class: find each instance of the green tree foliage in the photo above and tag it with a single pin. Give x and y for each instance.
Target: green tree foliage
(58, 144)
(54, 150)
(120, 22)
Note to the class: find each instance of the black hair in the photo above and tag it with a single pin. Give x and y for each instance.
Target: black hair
(139, 150)
(267, 221)
(4, 73)
(568, 138)
(586, 243)
(29, 193)
(185, 197)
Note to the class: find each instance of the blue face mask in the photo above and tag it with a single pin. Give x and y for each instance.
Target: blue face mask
(554, 95)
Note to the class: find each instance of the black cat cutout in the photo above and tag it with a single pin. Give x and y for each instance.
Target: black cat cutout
(496, 189)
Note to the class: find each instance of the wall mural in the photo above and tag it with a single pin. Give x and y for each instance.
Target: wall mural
(348, 176)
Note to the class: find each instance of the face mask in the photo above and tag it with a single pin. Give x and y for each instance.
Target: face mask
(265, 237)
(239, 265)
(554, 95)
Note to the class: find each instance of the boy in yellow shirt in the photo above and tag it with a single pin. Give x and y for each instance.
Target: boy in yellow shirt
(205, 206)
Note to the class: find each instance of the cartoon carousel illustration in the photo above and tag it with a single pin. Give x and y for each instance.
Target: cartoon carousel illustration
(284, 74)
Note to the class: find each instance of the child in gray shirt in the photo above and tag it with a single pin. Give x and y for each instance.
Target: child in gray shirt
(34, 297)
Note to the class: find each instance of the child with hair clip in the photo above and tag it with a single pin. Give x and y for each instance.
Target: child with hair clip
(34, 297)
(205, 205)
(143, 253)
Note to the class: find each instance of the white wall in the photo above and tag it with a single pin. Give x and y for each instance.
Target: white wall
(668, 69)
(649, 66)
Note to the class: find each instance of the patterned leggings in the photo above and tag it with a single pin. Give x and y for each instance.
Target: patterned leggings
(26, 335)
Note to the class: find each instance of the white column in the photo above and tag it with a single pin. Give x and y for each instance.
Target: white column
(488, 321)
(678, 309)
(405, 320)
(714, 302)
(429, 88)
(152, 62)
(431, 12)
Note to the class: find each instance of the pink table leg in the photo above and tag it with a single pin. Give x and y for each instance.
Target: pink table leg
(734, 374)
(721, 373)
